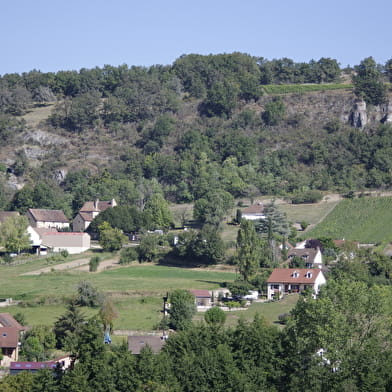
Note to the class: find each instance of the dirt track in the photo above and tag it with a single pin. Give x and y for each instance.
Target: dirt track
(60, 267)
(79, 265)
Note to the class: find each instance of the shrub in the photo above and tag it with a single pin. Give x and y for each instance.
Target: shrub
(233, 304)
(304, 225)
(284, 318)
(20, 318)
(88, 295)
(94, 263)
(128, 255)
(311, 196)
(273, 112)
(239, 288)
(215, 316)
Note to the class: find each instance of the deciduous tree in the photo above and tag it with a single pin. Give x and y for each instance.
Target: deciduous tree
(13, 234)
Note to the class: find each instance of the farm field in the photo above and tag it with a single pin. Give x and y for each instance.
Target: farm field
(139, 313)
(270, 311)
(310, 213)
(134, 279)
(366, 219)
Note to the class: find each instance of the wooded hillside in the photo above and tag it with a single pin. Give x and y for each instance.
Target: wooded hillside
(228, 123)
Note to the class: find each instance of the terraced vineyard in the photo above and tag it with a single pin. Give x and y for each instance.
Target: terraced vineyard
(368, 220)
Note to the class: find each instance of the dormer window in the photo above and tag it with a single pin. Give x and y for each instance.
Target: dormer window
(308, 274)
(295, 274)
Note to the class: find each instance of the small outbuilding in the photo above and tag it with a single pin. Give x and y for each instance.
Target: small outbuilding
(202, 297)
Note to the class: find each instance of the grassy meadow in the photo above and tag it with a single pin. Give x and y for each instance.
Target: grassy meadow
(134, 279)
(303, 88)
(366, 219)
(310, 213)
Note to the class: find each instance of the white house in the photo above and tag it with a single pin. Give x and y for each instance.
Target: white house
(283, 281)
(253, 212)
(312, 257)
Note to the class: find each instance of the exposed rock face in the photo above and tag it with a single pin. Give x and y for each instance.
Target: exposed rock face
(59, 175)
(386, 112)
(359, 117)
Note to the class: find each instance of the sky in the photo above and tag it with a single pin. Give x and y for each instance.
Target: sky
(55, 35)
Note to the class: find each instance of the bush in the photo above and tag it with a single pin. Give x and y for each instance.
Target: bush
(284, 318)
(273, 112)
(128, 255)
(311, 196)
(215, 316)
(94, 263)
(233, 304)
(304, 225)
(88, 295)
(20, 318)
(239, 288)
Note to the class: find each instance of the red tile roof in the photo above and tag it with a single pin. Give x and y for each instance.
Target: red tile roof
(87, 216)
(9, 337)
(287, 275)
(41, 215)
(201, 293)
(90, 206)
(6, 320)
(253, 209)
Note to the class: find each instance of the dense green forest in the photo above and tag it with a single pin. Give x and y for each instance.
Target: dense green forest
(203, 128)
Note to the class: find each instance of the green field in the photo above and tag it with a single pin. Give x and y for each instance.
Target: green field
(366, 219)
(310, 213)
(302, 88)
(270, 311)
(133, 279)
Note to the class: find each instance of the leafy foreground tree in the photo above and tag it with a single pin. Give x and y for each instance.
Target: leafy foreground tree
(111, 239)
(13, 234)
(182, 309)
(338, 341)
(68, 326)
(368, 83)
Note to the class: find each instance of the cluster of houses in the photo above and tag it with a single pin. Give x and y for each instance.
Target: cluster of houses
(50, 229)
(11, 332)
(45, 231)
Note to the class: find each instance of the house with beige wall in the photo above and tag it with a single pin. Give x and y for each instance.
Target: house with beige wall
(42, 218)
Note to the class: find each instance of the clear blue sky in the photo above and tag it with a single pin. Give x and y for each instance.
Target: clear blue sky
(53, 35)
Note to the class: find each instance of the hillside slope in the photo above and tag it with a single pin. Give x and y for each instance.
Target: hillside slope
(365, 219)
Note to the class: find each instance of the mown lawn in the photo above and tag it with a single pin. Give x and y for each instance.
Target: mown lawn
(134, 313)
(270, 311)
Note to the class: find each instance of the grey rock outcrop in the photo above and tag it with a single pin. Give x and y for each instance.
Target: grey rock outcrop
(359, 117)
